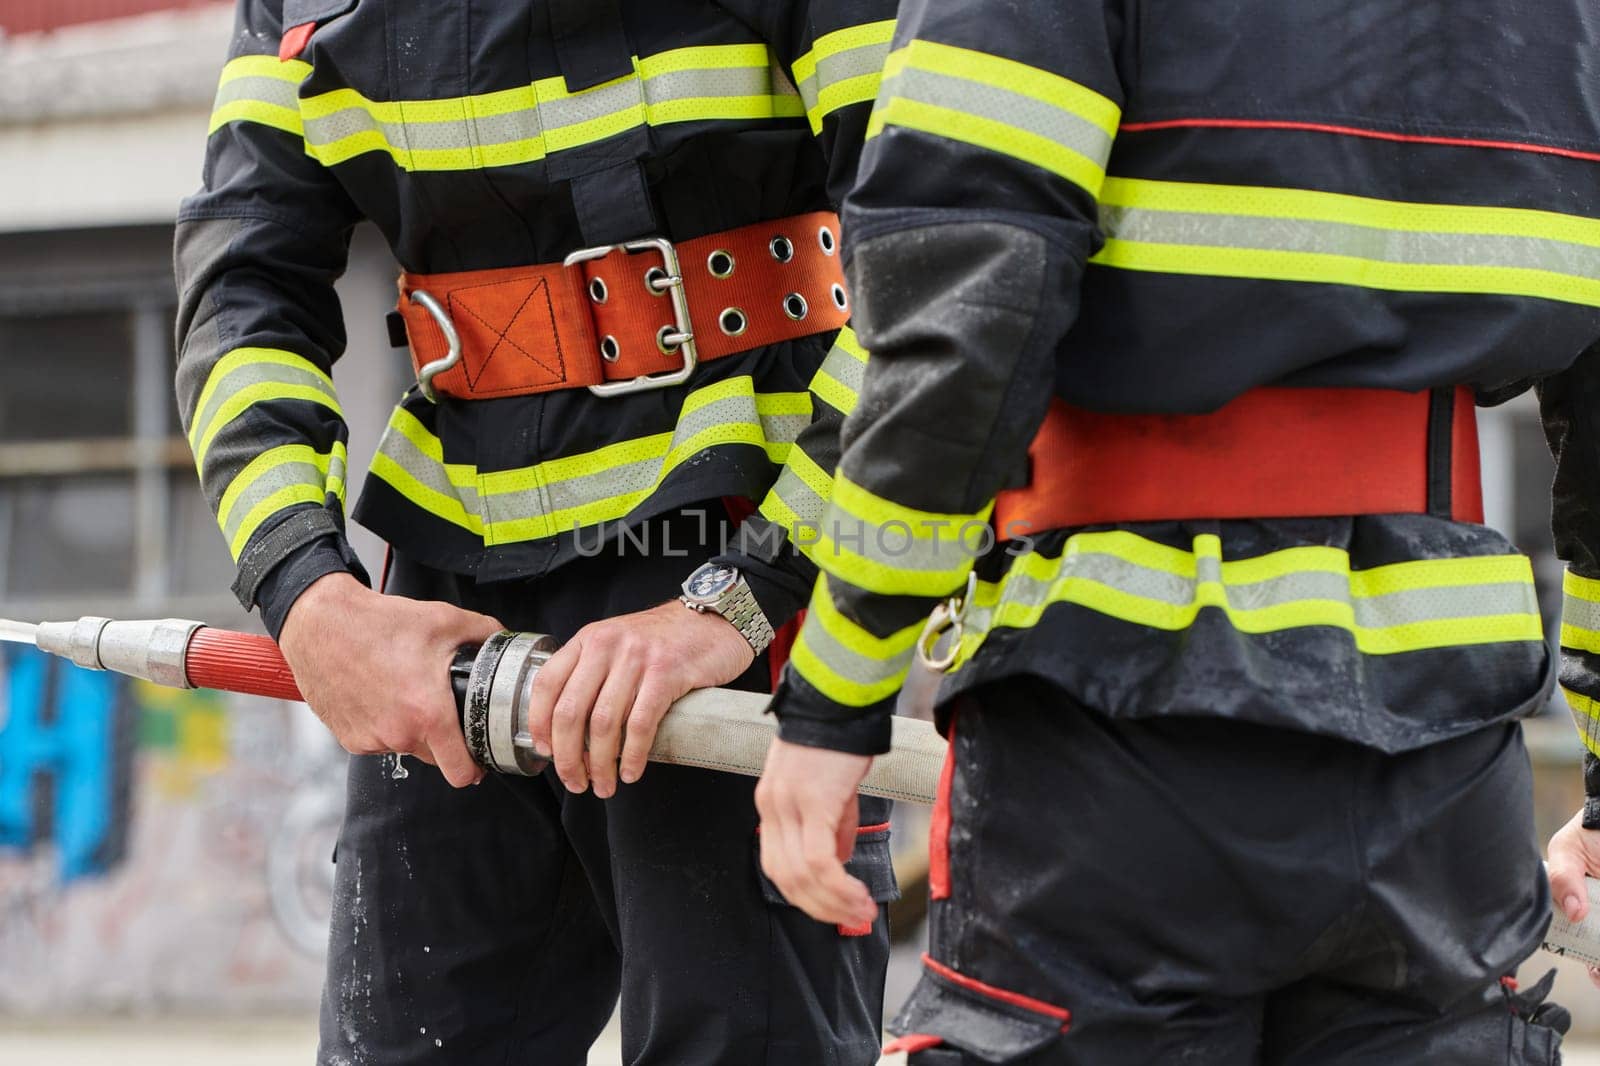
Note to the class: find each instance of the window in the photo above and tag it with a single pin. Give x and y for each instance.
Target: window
(100, 508)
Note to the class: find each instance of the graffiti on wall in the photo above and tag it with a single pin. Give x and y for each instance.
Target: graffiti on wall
(159, 845)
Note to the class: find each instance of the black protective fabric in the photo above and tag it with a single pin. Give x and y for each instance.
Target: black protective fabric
(1460, 106)
(503, 921)
(1214, 892)
(261, 244)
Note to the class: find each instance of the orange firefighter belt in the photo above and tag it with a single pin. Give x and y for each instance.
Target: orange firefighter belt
(623, 318)
(1270, 453)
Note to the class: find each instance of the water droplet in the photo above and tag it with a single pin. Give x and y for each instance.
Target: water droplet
(437, 1042)
(423, 1030)
(426, 949)
(400, 773)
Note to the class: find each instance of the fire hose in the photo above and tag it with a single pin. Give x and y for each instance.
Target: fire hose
(713, 729)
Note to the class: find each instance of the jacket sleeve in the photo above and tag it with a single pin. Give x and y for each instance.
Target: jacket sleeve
(1569, 403)
(967, 237)
(258, 250)
(834, 51)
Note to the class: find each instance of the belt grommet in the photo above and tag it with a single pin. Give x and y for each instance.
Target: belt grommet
(795, 306)
(610, 350)
(656, 281)
(598, 291)
(661, 340)
(732, 321)
(840, 300)
(782, 249)
(720, 263)
(826, 240)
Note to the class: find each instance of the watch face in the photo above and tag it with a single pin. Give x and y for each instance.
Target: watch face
(710, 581)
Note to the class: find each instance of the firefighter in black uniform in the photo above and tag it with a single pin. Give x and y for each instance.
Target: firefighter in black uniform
(1166, 449)
(590, 422)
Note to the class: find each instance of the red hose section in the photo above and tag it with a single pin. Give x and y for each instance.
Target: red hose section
(239, 662)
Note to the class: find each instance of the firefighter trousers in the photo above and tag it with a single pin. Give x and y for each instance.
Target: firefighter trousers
(499, 924)
(1218, 893)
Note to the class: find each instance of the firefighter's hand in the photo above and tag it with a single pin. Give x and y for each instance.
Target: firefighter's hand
(376, 670)
(612, 683)
(809, 818)
(1574, 855)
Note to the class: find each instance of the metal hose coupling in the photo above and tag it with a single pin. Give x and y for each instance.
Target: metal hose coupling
(495, 698)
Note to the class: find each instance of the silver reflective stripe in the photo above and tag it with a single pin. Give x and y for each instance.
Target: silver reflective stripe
(1026, 113)
(1585, 614)
(807, 505)
(544, 118)
(430, 472)
(254, 88)
(834, 68)
(1203, 229)
(247, 374)
(536, 506)
(1309, 587)
(850, 664)
(899, 546)
(845, 369)
(282, 476)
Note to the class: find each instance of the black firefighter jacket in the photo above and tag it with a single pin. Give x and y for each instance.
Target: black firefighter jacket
(1154, 206)
(489, 135)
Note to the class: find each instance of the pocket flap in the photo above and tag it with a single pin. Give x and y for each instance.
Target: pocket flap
(993, 1031)
(300, 12)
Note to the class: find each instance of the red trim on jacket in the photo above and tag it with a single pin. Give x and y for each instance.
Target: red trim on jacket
(1016, 999)
(1356, 131)
(939, 826)
(294, 41)
(912, 1043)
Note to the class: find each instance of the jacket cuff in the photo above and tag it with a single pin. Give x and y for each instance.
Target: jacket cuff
(779, 576)
(808, 718)
(294, 572)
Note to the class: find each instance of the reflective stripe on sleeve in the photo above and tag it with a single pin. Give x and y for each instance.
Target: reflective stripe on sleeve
(839, 379)
(246, 377)
(1301, 235)
(510, 126)
(1002, 106)
(1586, 716)
(275, 479)
(1580, 613)
(575, 492)
(887, 548)
(843, 68)
(1403, 607)
(845, 662)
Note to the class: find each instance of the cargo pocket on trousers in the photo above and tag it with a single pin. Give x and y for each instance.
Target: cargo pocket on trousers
(1536, 1026)
(872, 864)
(989, 1024)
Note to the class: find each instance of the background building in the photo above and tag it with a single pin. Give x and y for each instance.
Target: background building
(161, 852)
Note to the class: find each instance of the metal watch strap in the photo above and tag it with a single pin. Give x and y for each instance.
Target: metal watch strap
(739, 606)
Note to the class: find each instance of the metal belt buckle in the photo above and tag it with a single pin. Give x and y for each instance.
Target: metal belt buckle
(678, 336)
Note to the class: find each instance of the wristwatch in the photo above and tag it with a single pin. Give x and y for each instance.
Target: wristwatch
(720, 589)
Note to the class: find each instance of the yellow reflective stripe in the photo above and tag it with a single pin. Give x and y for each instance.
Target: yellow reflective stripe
(888, 548)
(1580, 613)
(846, 663)
(284, 497)
(1304, 236)
(1401, 607)
(521, 124)
(561, 495)
(1001, 106)
(1586, 717)
(843, 67)
(1577, 587)
(328, 465)
(248, 376)
(293, 72)
(798, 500)
(838, 380)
